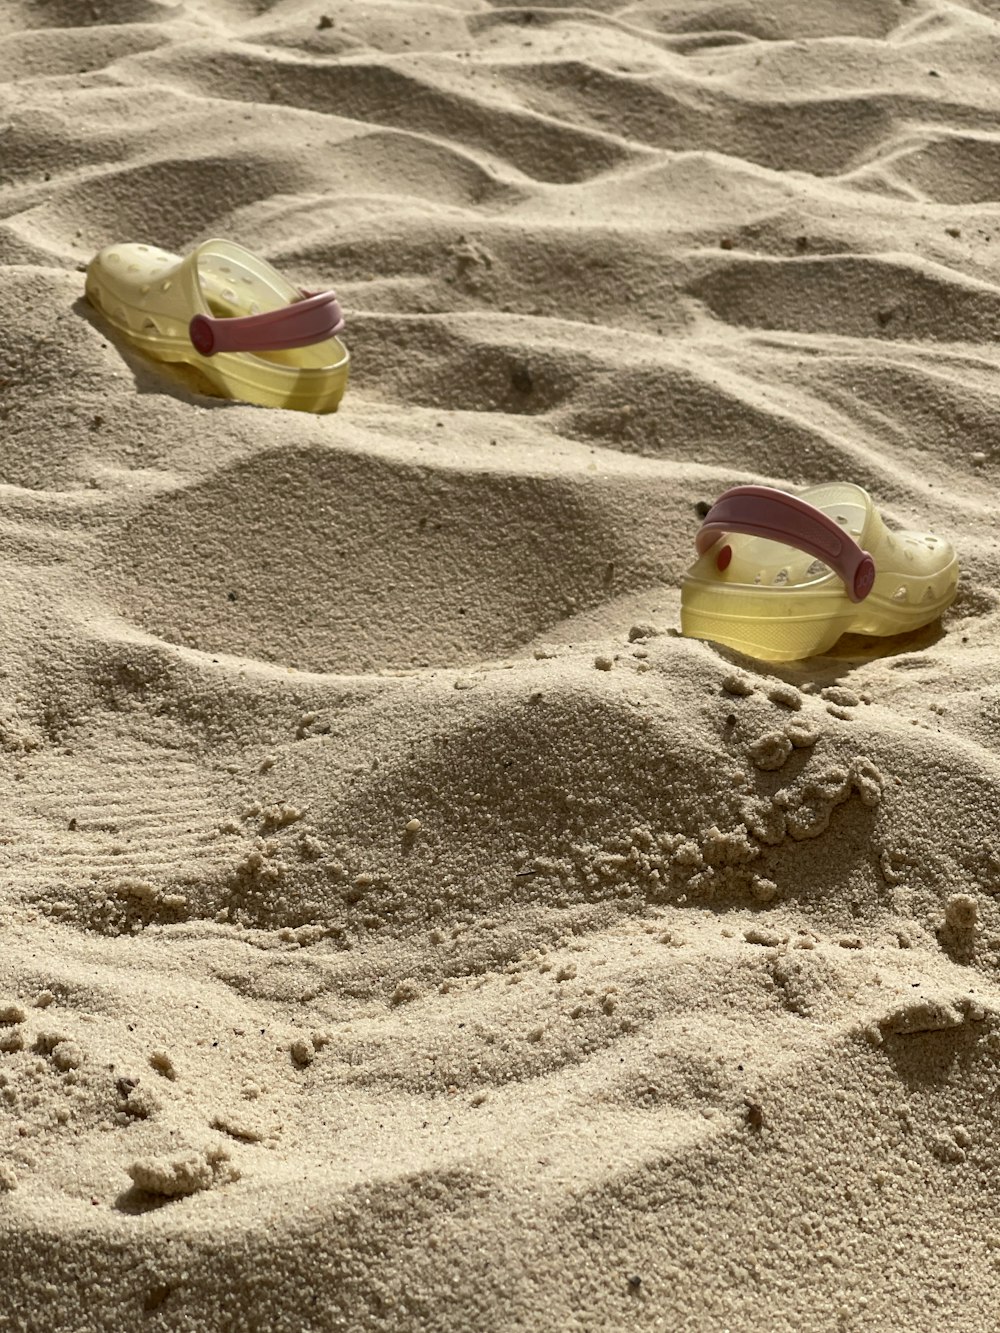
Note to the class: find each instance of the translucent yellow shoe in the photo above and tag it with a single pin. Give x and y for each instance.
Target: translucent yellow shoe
(246, 328)
(782, 578)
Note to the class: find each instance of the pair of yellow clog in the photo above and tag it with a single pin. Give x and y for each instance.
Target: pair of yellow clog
(778, 577)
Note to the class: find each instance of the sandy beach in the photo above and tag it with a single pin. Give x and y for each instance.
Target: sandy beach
(402, 926)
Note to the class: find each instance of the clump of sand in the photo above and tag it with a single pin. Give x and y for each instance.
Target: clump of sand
(186, 1173)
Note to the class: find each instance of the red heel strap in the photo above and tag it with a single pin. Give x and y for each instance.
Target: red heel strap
(761, 511)
(311, 320)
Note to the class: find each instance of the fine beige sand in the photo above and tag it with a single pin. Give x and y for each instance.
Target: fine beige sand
(402, 927)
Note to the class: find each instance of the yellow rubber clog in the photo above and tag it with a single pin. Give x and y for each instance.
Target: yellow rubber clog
(253, 334)
(781, 577)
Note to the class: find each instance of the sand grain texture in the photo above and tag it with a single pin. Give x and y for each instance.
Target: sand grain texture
(401, 926)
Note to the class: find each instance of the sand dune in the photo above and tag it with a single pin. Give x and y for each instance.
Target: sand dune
(402, 926)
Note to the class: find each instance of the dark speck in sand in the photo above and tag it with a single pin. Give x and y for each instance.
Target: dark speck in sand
(521, 379)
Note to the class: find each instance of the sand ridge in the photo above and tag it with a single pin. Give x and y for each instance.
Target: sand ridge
(401, 925)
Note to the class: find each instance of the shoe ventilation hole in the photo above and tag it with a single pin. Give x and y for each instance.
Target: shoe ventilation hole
(247, 280)
(228, 294)
(149, 327)
(114, 258)
(931, 542)
(899, 595)
(758, 576)
(930, 595)
(166, 286)
(143, 248)
(817, 567)
(841, 518)
(224, 268)
(133, 268)
(781, 576)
